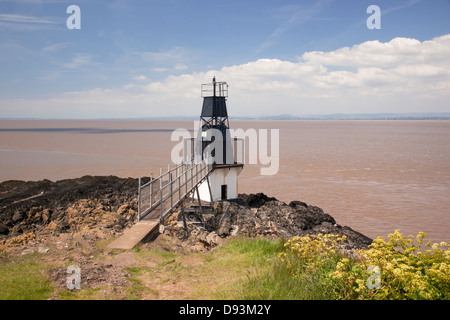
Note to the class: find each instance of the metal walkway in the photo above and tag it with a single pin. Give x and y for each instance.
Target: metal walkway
(158, 197)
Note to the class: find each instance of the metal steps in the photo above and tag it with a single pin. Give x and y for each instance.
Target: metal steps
(159, 197)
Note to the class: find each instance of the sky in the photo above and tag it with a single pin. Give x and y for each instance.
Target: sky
(133, 59)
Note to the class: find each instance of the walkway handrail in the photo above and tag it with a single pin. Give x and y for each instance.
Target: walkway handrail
(170, 188)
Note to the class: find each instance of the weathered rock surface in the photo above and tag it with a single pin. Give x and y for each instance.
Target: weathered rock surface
(256, 215)
(106, 204)
(102, 207)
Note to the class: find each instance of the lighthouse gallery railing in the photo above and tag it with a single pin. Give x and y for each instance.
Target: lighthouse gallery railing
(170, 188)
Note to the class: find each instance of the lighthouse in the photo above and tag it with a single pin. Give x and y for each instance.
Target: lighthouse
(213, 139)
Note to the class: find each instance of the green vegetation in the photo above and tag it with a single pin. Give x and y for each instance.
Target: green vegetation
(311, 267)
(23, 280)
(314, 268)
(405, 270)
(298, 271)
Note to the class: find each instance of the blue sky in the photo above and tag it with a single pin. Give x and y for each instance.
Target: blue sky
(148, 58)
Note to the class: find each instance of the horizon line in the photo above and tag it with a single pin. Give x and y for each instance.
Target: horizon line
(329, 116)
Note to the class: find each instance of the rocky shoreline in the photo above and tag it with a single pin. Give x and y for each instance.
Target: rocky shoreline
(102, 207)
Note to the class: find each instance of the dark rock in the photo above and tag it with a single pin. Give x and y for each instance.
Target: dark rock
(35, 204)
(3, 229)
(255, 200)
(312, 216)
(258, 215)
(356, 237)
(295, 204)
(110, 203)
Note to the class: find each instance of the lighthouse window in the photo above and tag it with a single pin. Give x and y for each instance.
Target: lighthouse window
(224, 192)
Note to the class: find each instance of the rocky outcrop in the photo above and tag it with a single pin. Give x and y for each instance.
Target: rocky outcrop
(104, 204)
(103, 207)
(256, 215)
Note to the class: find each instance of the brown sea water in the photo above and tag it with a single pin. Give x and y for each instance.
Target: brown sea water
(374, 176)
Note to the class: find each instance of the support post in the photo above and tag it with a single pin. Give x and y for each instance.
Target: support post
(139, 200)
(161, 196)
(191, 178)
(185, 177)
(171, 190)
(196, 175)
(179, 182)
(151, 189)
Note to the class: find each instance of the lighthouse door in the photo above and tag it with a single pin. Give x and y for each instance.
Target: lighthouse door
(224, 192)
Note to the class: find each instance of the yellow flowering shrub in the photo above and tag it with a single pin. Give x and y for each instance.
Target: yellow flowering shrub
(400, 268)
(304, 254)
(407, 269)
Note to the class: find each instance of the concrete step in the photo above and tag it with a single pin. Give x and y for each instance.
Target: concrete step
(136, 234)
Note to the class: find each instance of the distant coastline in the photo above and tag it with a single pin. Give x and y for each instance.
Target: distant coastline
(362, 116)
(333, 116)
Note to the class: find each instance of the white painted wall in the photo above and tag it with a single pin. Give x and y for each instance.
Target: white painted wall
(217, 178)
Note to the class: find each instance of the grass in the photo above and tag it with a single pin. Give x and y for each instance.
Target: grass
(268, 279)
(276, 282)
(24, 280)
(242, 268)
(242, 264)
(214, 275)
(255, 251)
(232, 271)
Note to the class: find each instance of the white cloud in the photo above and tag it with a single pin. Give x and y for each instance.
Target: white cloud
(140, 78)
(300, 17)
(24, 19)
(24, 22)
(159, 70)
(180, 66)
(80, 60)
(375, 53)
(402, 75)
(370, 53)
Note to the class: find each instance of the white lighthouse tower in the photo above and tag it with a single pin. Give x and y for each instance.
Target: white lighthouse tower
(222, 183)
